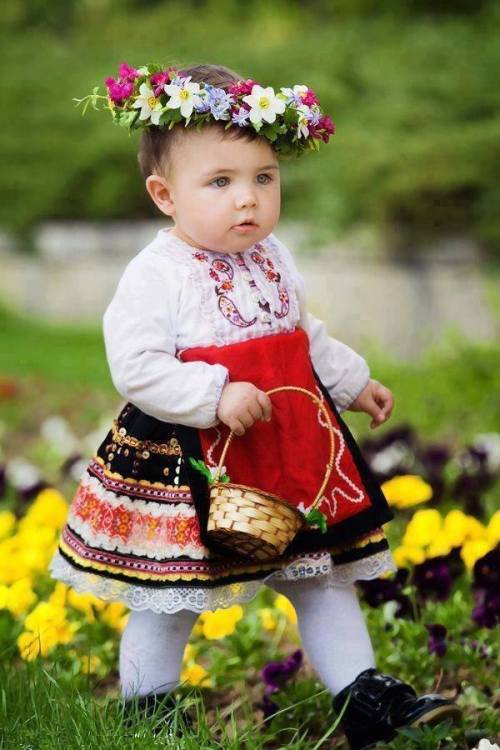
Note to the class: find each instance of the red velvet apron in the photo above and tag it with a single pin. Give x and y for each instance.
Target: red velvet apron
(288, 455)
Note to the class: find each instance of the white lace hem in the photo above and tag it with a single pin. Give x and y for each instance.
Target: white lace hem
(200, 599)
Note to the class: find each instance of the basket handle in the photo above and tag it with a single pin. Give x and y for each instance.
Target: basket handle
(329, 465)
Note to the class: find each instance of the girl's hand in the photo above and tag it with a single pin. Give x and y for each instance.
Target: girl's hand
(241, 404)
(376, 400)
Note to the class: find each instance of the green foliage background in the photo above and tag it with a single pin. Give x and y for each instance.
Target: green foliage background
(412, 87)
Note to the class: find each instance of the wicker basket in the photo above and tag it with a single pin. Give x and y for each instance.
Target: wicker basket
(253, 523)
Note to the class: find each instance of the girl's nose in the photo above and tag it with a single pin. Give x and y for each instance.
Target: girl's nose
(245, 199)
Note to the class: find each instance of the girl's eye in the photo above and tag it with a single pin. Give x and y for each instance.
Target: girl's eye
(217, 181)
(267, 178)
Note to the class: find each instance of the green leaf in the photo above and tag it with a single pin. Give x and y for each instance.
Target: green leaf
(317, 518)
(201, 467)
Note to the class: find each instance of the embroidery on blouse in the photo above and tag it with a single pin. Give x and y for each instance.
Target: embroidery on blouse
(267, 267)
(226, 305)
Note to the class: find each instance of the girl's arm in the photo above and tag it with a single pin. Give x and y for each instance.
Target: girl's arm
(343, 372)
(139, 334)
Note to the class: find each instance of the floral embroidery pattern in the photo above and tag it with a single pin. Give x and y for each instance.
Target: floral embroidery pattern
(218, 268)
(131, 526)
(222, 272)
(267, 267)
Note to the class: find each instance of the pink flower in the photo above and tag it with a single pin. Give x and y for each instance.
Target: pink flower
(158, 80)
(118, 91)
(242, 88)
(324, 129)
(310, 98)
(126, 73)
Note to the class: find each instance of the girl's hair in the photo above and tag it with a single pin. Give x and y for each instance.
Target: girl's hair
(156, 143)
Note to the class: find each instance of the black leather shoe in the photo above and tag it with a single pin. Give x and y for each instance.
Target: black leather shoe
(157, 705)
(380, 704)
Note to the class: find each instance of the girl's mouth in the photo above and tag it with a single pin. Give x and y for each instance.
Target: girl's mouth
(247, 226)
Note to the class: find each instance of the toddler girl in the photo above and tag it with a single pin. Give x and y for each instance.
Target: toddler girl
(206, 319)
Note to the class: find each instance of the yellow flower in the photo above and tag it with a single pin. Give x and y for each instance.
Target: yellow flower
(189, 653)
(198, 626)
(286, 606)
(4, 596)
(48, 509)
(12, 565)
(405, 554)
(115, 615)
(49, 621)
(30, 646)
(473, 550)
(222, 622)
(455, 527)
(85, 603)
(197, 675)
(406, 490)
(422, 528)
(20, 597)
(46, 627)
(7, 523)
(59, 595)
(440, 545)
(267, 618)
(459, 528)
(493, 529)
(475, 529)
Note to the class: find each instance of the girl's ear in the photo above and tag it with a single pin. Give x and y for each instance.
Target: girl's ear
(161, 193)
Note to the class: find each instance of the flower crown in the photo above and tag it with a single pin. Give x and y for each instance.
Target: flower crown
(291, 119)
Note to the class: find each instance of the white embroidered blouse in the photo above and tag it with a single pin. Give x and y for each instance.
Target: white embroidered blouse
(172, 297)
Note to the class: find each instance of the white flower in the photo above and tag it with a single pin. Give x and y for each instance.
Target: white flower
(486, 745)
(57, 432)
(213, 470)
(265, 104)
(296, 94)
(184, 97)
(302, 129)
(22, 474)
(150, 105)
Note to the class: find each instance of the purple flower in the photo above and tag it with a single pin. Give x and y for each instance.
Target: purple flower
(433, 579)
(241, 117)
(486, 613)
(486, 588)
(219, 102)
(381, 590)
(267, 706)
(436, 643)
(277, 673)
(486, 571)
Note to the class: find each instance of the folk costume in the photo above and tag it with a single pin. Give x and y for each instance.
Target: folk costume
(183, 323)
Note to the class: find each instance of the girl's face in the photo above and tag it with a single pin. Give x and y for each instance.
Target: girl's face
(216, 183)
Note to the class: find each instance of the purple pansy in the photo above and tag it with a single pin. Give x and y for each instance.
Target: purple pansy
(381, 590)
(486, 588)
(433, 579)
(436, 643)
(277, 673)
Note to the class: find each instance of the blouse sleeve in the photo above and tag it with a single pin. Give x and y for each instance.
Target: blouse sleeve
(139, 334)
(343, 372)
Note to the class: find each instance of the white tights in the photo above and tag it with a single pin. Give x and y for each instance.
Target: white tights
(331, 626)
